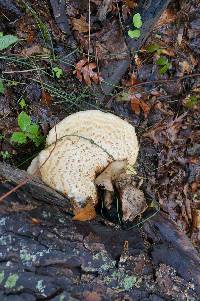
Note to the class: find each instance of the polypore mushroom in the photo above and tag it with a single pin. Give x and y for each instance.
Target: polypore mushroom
(79, 148)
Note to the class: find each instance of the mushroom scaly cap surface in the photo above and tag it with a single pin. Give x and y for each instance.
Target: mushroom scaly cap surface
(80, 147)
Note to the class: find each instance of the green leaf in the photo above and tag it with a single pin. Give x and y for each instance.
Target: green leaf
(152, 48)
(24, 121)
(191, 102)
(33, 129)
(58, 72)
(1, 137)
(5, 155)
(1, 87)
(134, 34)
(162, 61)
(38, 140)
(11, 281)
(18, 137)
(137, 21)
(7, 40)
(164, 69)
(22, 103)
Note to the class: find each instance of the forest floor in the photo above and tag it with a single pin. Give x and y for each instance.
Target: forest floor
(50, 73)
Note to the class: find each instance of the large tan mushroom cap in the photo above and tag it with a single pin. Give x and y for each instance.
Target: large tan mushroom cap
(86, 142)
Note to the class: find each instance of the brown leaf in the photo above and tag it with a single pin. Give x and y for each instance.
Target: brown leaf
(46, 98)
(80, 24)
(168, 16)
(35, 49)
(168, 51)
(35, 221)
(84, 70)
(137, 105)
(81, 63)
(131, 3)
(31, 36)
(196, 218)
(91, 296)
(85, 214)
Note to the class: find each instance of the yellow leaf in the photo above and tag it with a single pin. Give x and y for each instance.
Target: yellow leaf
(80, 24)
(85, 214)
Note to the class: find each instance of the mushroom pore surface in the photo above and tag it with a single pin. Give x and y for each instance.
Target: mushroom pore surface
(80, 147)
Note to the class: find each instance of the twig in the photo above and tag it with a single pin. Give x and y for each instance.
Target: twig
(165, 80)
(19, 71)
(89, 30)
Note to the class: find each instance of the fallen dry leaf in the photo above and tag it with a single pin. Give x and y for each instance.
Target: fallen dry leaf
(131, 3)
(80, 25)
(85, 214)
(84, 71)
(35, 49)
(46, 98)
(185, 67)
(35, 221)
(91, 296)
(168, 51)
(137, 105)
(168, 16)
(196, 218)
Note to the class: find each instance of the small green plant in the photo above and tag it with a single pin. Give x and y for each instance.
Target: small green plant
(22, 103)
(5, 155)
(29, 130)
(154, 48)
(162, 61)
(191, 102)
(7, 40)
(137, 24)
(2, 137)
(1, 87)
(164, 64)
(58, 72)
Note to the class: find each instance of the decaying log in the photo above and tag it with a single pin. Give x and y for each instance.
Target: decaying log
(45, 255)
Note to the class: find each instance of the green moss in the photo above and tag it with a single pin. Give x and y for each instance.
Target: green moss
(128, 282)
(121, 281)
(40, 286)
(11, 281)
(25, 255)
(108, 264)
